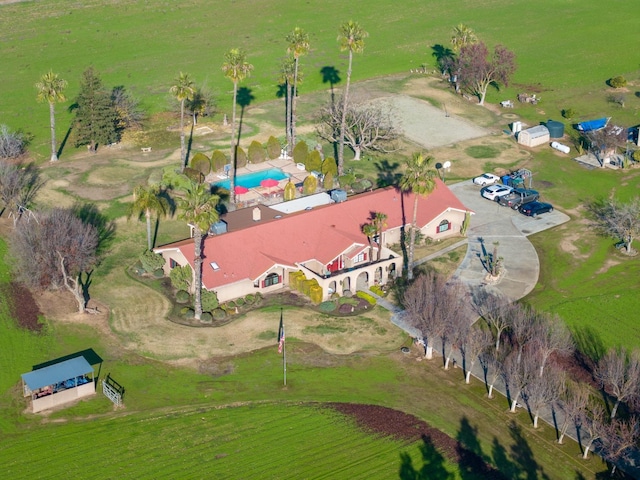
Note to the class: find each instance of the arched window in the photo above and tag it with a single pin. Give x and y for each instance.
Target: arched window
(271, 279)
(444, 226)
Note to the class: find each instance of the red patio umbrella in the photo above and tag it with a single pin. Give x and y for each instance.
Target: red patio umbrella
(239, 189)
(269, 183)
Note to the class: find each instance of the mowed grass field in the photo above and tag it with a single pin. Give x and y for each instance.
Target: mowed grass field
(565, 50)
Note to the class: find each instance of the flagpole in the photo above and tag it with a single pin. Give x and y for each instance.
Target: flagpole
(284, 358)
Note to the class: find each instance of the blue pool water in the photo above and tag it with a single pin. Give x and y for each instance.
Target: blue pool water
(251, 180)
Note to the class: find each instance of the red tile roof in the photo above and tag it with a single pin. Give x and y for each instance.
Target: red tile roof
(320, 234)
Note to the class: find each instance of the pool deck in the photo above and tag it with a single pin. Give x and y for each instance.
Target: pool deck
(265, 195)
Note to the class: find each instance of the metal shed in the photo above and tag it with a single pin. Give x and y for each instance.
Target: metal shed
(59, 383)
(534, 136)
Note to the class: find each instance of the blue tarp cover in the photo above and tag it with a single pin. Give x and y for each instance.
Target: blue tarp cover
(57, 373)
(593, 124)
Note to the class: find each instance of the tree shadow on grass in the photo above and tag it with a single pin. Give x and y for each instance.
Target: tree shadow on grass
(433, 464)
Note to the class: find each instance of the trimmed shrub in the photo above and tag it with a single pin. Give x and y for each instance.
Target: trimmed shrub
(206, 317)
(231, 304)
(327, 181)
(361, 185)
(240, 302)
(327, 307)
(241, 158)
(377, 290)
(301, 152)
(182, 296)
(256, 152)
(636, 155)
(139, 269)
(569, 113)
(289, 191)
(189, 313)
(209, 300)
(181, 277)
(273, 147)
(314, 162)
(184, 310)
(310, 185)
(250, 299)
(193, 175)
(296, 279)
(158, 273)
(219, 314)
(315, 293)
(367, 297)
(218, 160)
(201, 163)
(346, 180)
(329, 165)
(618, 82)
(151, 261)
(348, 300)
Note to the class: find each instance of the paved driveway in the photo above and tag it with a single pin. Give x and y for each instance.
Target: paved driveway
(494, 223)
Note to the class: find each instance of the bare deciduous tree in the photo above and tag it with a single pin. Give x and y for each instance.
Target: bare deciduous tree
(368, 127)
(494, 310)
(550, 336)
(523, 327)
(618, 220)
(618, 439)
(56, 250)
(518, 371)
(543, 391)
(19, 185)
(605, 141)
(425, 310)
(573, 401)
(619, 373)
(476, 341)
(591, 424)
(491, 361)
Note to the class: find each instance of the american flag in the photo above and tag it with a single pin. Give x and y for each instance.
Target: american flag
(281, 335)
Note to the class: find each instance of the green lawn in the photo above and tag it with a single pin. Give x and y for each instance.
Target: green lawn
(565, 50)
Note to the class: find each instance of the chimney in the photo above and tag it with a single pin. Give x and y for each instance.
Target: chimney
(257, 215)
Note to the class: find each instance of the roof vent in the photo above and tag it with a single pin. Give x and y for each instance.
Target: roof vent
(339, 196)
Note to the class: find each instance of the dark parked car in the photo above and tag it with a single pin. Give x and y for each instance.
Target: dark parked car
(518, 197)
(533, 209)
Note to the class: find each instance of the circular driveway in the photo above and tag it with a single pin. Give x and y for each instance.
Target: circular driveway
(493, 223)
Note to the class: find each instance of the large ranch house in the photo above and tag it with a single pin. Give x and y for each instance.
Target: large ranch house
(255, 249)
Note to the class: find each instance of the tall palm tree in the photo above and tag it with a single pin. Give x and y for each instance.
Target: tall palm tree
(198, 209)
(370, 230)
(351, 38)
(182, 89)
(147, 201)
(298, 45)
(51, 90)
(419, 179)
(235, 68)
(286, 78)
(380, 222)
(462, 35)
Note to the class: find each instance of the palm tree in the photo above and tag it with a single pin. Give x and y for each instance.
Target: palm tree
(351, 38)
(370, 230)
(418, 179)
(51, 90)
(298, 45)
(182, 89)
(379, 221)
(462, 35)
(146, 201)
(198, 209)
(235, 68)
(287, 78)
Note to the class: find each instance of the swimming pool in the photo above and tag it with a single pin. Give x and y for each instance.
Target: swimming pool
(253, 179)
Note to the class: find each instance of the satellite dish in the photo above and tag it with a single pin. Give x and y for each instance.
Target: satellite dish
(447, 164)
(438, 166)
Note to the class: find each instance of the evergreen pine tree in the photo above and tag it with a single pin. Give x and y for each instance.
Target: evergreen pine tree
(95, 114)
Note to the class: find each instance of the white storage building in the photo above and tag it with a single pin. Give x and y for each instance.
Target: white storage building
(534, 136)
